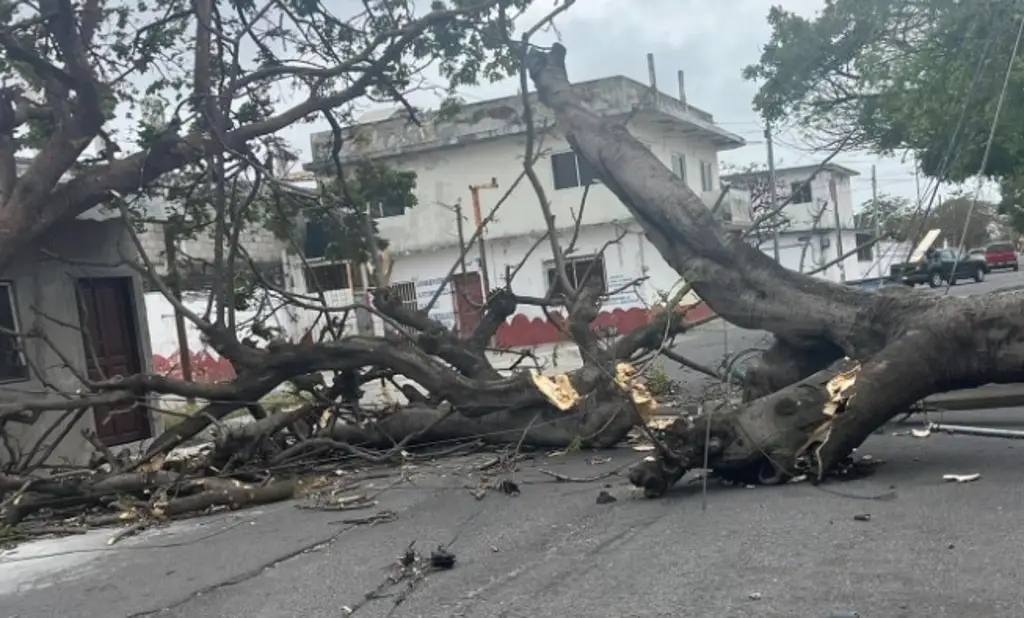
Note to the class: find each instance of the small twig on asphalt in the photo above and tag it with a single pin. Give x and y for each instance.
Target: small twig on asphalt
(131, 530)
(564, 478)
(380, 517)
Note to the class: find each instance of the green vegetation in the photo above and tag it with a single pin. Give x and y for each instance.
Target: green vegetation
(904, 75)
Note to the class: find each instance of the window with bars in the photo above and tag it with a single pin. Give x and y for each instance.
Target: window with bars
(571, 171)
(579, 271)
(331, 276)
(12, 362)
(406, 290)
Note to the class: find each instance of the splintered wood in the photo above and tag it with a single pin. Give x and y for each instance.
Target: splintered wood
(560, 392)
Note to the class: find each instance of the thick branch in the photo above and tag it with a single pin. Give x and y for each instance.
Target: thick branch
(738, 281)
(434, 338)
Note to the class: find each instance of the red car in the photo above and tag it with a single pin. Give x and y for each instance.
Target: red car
(1001, 255)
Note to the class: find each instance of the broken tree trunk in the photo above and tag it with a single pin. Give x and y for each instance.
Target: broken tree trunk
(904, 345)
(596, 422)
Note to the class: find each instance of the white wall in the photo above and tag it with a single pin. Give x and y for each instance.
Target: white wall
(444, 176)
(164, 335)
(886, 254)
(631, 258)
(822, 248)
(802, 215)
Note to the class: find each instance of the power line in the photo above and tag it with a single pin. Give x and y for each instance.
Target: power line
(988, 149)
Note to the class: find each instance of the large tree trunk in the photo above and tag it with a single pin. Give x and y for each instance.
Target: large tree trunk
(904, 345)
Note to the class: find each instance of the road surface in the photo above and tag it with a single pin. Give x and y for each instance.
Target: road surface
(930, 549)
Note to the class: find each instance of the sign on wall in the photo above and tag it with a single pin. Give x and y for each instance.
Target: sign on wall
(622, 297)
(443, 311)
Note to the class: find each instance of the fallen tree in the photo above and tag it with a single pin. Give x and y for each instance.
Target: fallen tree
(206, 145)
(845, 360)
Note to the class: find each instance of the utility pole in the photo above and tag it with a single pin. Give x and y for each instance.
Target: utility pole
(839, 228)
(174, 283)
(876, 216)
(917, 179)
(772, 188)
(479, 220)
(462, 236)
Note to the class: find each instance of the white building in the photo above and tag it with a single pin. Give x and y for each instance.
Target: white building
(484, 143)
(819, 223)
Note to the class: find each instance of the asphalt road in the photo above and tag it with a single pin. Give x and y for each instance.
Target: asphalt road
(929, 549)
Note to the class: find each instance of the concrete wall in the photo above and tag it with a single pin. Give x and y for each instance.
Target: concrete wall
(802, 215)
(261, 244)
(206, 363)
(630, 259)
(44, 292)
(444, 178)
(822, 247)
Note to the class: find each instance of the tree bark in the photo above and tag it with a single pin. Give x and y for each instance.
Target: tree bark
(904, 345)
(598, 422)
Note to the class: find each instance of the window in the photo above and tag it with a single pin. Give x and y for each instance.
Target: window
(384, 210)
(406, 290)
(679, 166)
(571, 171)
(801, 192)
(576, 270)
(316, 241)
(333, 276)
(706, 177)
(864, 254)
(12, 362)
(1001, 247)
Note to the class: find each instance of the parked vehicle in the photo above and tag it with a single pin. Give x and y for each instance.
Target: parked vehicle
(940, 266)
(1001, 255)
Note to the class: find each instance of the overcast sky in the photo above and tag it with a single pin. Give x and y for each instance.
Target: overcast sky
(712, 46)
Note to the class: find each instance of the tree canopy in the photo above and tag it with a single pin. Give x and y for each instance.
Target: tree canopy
(900, 220)
(103, 100)
(902, 75)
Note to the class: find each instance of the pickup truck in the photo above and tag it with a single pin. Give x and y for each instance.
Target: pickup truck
(937, 268)
(1001, 255)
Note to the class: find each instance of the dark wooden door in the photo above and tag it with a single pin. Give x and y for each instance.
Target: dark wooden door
(110, 337)
(469, 300)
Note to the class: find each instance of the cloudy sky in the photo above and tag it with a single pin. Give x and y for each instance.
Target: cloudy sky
(711, 45)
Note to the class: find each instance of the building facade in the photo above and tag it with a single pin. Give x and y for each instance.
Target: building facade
(76, 290)
(470, 169)
(818, 224)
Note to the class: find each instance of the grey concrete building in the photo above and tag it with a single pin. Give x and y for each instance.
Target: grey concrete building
(72, 309)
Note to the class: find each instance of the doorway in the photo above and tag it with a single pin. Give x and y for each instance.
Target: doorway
(111, 342)
(468, 302)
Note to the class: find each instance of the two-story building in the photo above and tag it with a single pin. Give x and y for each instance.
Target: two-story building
(467, 164)
(817, 226)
